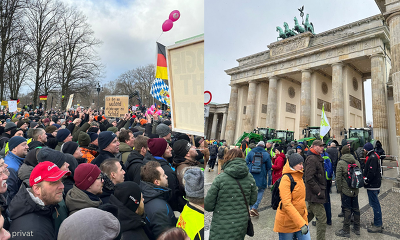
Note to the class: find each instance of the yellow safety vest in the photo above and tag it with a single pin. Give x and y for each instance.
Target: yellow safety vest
(247, 151)
(192, 221)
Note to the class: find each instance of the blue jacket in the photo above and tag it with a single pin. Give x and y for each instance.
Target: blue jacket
(261, 178)
(13, 182)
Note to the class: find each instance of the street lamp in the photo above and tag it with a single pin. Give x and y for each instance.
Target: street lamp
(98, 96)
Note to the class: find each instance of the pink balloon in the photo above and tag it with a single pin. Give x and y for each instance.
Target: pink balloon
(159, 112)
(174, 15)
(167, 25)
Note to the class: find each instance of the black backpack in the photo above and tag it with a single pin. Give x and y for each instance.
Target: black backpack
(354, 176)
(256, 163)
(276, 198)
(213, 150)
(221, 152)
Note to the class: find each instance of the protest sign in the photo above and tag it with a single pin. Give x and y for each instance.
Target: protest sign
(186, 84)
(12, 106)
(116, 106)
(71, 98)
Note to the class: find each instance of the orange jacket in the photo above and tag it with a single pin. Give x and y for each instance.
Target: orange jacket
(293, 214)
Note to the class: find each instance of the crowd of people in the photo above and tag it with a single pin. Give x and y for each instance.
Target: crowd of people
(80, 175)
(303, 178)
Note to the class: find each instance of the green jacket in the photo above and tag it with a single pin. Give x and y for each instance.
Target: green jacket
(341, 175)
(125, 150)
(226, 201)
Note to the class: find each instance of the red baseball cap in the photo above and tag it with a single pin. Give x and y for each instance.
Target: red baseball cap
(46, 171)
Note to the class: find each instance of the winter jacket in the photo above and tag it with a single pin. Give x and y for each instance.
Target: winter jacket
(176, 201)
(51, 141)
(77, 130)
(379, 150)
(13, 182)
(88, 154)
(333, 155)
(30, 216)
(277, 167)
(24, 173)
(372, 171)
(101, 157)
(58, 147)
(292, 213)
(133, 165)
(314, 178)
(125, 150)
(341, 175)
(226, 200)
(35, 144)
(77, 199)
(132, 225)
(260, 178)
(160, 215)
(5, 212)
(180, 163)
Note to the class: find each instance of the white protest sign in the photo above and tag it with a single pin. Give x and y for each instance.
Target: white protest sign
(12, 106)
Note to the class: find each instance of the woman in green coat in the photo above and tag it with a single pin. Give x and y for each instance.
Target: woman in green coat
(226, 200)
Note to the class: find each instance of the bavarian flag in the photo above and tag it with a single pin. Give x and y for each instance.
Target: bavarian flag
(43, 97)
(159, 90)
(324, 127)
(161, 71)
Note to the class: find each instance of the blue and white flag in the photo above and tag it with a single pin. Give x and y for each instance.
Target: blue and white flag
(160, 91)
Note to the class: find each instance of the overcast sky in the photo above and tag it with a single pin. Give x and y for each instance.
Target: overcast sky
(129, 29)
(237, 28)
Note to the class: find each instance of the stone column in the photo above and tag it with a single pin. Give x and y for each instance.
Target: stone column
(379, 108)
(305, 101)
(251, 100)
(206, 126)
(232, 114)
(272, 102)
(214, 126)
(337, 124)
(224, 118)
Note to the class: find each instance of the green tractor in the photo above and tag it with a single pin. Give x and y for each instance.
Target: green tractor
(283, 137)
(313, 133)
(252, 136)
(267, 133)
(357, 138)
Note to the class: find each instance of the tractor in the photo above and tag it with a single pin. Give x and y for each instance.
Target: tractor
(357, 138)
(312, 133)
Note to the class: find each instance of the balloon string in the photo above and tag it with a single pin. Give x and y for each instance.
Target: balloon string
(159, 36)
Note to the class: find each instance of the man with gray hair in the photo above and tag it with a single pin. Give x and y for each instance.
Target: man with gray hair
(258, 162)
(192, 217)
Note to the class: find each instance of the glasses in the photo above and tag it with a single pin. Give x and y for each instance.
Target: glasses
(101, 176)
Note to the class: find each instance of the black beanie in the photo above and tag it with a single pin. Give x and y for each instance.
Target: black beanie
(93, 129)
(105, 138)
(62, 134)
(279, 148)
(73, 163)
(129, 194)
(48, 154)
(93, 136)
(69, 147)
(181, 147)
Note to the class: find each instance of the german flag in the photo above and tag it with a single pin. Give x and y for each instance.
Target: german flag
(43, 97)
(15, 100)
(161, 71)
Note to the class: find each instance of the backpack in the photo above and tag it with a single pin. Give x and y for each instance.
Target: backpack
(221, 152)
(354, 176)
(276, 198)
(328, 168)
(213, 151)
(256, 163)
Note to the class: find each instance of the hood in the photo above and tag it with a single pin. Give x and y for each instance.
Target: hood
(35, 144)
(123, 147)
(134, 157)
(236, 168)
(76, 200)
(24, 172)
(378, 144)
(348, 158)
(252, 145)
(129, 220)
(288, 169)
(24, 203)
(181, 160)
(31, 158)
(151, 191)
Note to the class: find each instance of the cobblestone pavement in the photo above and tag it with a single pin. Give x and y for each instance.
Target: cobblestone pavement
(389, 200)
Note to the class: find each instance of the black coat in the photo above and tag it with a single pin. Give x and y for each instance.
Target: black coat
(176, 200)
(133, 165)
(51, 141)
(160, 216)
(133, 226)
(29, 217)
(101, 157)
(35, 144)
(372, 171)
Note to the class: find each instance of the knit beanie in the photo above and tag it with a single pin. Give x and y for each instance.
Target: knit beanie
(261, 144)
(368, 146)
(73, 163)
(56, 125)
(93, 129)
(183, 136)
(105, 138)
(62, 134)
(279, 148)
(181, 147)
(129, 194)
(15, 141)
(84, 139)
(345, 150)
(157, 146)
(20, 123)
(69, 147)
(112, 129)
(85, 175)
(93, 136)
(81, 225)
(295, 159)
(143, 121)
(136, 134)
(46, 120)
(163, 130)
(50, 129)
(193, 180)
(48, 154)
(167, 122)
(33, 124)
(10, 126)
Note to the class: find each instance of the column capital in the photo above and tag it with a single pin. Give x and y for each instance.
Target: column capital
(274, 77)
(391, 16)
(232, 85)
(338, 64)
(307, 70)
(379, 54)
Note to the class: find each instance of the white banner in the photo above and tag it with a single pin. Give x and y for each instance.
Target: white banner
(324, 127)
(71, 98)
(12, 106)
